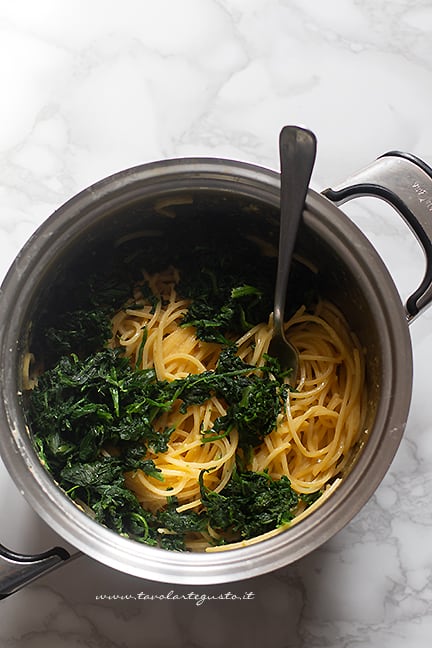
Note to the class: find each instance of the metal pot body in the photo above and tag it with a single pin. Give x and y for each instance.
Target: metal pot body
(145, 198)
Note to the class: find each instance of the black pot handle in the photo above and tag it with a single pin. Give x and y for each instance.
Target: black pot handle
(405, 182)
(18, 570)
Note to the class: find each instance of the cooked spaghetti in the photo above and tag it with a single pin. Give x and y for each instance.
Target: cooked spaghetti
(317, 426)
(153, 402)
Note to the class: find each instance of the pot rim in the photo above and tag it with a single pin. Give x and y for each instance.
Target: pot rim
(76, 527)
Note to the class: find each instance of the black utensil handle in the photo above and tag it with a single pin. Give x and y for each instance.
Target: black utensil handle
(18, 570)
(297, 152)
(405, 182)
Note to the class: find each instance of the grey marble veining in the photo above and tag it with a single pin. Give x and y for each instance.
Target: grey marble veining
(91, 88)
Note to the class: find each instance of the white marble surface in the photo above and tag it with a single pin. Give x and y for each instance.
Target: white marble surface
(89, 88)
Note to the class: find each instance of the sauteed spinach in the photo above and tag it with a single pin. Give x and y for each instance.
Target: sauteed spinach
(93, 416)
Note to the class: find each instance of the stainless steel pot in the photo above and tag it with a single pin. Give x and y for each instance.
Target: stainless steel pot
(351, 274)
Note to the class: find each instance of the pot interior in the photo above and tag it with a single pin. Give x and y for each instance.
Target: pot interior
(184, 221)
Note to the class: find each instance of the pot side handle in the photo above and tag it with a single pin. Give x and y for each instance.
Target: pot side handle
(18, 570)
(405, 182)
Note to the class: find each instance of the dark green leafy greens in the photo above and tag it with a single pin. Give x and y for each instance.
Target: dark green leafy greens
(89, 399)
(250, 504)
(82, 325)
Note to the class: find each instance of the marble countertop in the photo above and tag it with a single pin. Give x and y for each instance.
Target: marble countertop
(89, 88)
